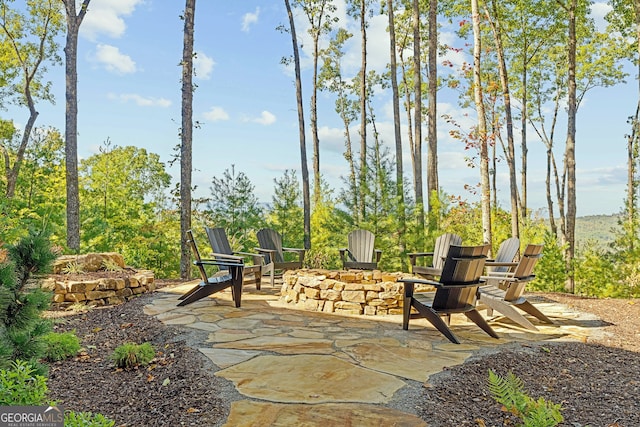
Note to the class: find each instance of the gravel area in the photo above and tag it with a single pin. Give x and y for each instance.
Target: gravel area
(597, 383)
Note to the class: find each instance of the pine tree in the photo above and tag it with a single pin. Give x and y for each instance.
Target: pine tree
(21, 305)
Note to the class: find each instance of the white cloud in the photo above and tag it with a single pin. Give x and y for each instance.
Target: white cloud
(250, 18)
(216, 114)
(203, 66)
(105, 17)
(113, 60)
(141, 101)
(266, 118)
(598, 12)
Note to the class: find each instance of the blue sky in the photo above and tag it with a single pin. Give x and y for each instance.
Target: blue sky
(129, 92)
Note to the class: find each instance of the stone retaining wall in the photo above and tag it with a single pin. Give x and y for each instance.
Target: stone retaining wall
(116, 288)
(347, 292)
(101, 291)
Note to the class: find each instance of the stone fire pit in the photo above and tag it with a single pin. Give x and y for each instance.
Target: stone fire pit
(92, 284)
(346, 292)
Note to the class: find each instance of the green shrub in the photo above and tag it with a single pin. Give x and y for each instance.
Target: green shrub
(86, 419)
(551, 272)
(130, 355)
(21, 386)
(61, 345)
(509, 392)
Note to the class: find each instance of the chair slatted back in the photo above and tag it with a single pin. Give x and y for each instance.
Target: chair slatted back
(463, 266)
(361, 245)
(196, 255)
(218, 240)
(506, 253)
(524, 271)
(441, 248)
(271, 239)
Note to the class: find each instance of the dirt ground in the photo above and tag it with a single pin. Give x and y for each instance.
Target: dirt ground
(597, 383)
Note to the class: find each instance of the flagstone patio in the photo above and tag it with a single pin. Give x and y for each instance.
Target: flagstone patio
(291, 364)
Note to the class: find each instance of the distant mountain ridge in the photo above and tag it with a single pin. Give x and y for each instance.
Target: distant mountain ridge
(598, 228)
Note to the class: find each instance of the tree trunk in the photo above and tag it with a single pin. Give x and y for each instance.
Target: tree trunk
(71, 121)
(303, 144)
(186, 147)
(432, 159)
(314, 123)
(523, 143)
(510, 154)
(363, 108)
(397, 129)
(417, 140)
(485, 197)
(570, 149)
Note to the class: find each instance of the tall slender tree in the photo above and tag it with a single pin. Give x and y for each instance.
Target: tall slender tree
(30, 39)
(186, 133)
(417, 117)
(432, 159)
(303, 145)
(495, 22)
(397, 131)
(74, 20)
(485, 195)
(319, 15)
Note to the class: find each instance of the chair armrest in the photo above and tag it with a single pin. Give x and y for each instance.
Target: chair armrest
(410, 282)
(229, 263)
(258, 259)
(299, 251)
(415, 280)
(498, 275)
(294, 249)
(491, 263)
(413, 256)
(269, 254)
(378, 254)
(224, 257)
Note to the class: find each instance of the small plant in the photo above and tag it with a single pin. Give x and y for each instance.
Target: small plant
(111, 265)
(84, 419)
(73, 268)
(131, 355)
(21, 386)
(80, 307)
(509, 392)
(61, 345)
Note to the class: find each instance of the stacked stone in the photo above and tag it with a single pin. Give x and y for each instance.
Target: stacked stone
(98, 291)
(345, 292)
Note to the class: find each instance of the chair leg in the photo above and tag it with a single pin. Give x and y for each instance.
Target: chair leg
(436, 321)
(258, 276)
(237, 278)
(477, 318)
(189, 292)
(203, 290)
(268, 268)
(530, 308)
(508, 311)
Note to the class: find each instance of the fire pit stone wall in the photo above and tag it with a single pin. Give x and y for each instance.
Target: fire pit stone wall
(346, 292)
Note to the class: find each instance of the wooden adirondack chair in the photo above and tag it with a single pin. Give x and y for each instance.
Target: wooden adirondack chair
(221, 248)
(456, 292)
(229, 276)
(361, 253)
(270, 242)
(507, 252)
(514, 282)
(440, 250)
